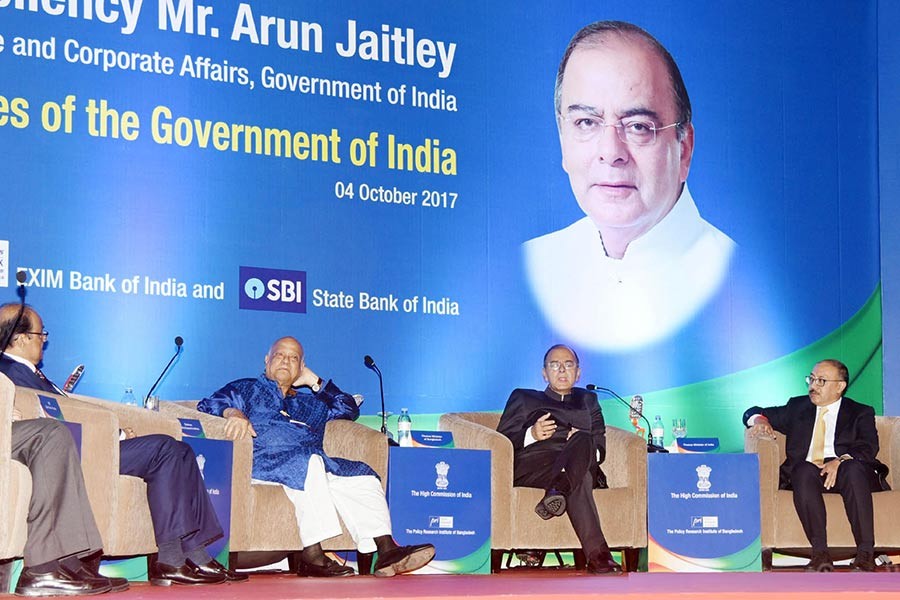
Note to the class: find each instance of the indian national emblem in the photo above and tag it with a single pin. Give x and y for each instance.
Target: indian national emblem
(703, 483)
(442, 469)
(201, 462)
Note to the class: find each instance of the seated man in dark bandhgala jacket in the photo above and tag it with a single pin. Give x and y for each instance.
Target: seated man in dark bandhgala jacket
(559, 437)
(184, 520)
(831, 443)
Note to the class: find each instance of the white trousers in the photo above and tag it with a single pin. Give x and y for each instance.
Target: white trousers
(359, 501)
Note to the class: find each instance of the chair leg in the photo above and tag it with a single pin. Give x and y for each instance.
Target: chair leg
(580, 559)
(293, 561)
(364, 562)
(496, 560)
(766, 559)
(5, 575)
(631, 557)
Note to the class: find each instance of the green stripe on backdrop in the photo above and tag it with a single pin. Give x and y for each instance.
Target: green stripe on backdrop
(714, 408)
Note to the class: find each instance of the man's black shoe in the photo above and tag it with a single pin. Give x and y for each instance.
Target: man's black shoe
(329, 569)
(864, 561)
(187, 574)
(603, 564)
(553, 504)
(214, 566)
(87, 573)
(820, 563)
(58, 583)
(403, 559)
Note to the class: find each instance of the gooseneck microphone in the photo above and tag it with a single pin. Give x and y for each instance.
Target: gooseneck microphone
(634, 409)
(178, 342)
(370, 364)
(20, 290)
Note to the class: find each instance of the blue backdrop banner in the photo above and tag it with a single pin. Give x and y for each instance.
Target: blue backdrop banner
(396, 179)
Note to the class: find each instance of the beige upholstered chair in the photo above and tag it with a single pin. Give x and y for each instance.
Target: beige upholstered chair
(262, 517)
(15, 482)
(781, 529)
(119, 502)
(514, 524)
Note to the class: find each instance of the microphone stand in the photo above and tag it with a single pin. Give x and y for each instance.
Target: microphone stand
(178, 342)
(370, 364)
(651, 447)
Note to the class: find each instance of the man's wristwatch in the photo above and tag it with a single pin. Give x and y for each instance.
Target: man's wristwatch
(316, 386)
(844, 457)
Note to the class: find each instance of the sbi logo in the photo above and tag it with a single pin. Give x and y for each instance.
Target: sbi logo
(272, 289)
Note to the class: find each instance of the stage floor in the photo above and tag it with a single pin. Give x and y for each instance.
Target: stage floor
(547, 584)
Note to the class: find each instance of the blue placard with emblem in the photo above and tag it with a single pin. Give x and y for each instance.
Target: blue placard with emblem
(443, 497)
(703, 512)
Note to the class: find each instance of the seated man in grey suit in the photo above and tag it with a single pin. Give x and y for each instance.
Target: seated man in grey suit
(63, 546)
(831, 443)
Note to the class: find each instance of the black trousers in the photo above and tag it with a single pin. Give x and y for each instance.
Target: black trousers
(566, 467)
(855, 483)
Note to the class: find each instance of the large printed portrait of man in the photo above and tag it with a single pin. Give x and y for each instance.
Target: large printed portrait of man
(642, 262)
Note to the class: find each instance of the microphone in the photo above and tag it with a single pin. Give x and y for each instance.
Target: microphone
(370, 364)
(178, 342)
(20, 278)
(73, 379)
(635, 410)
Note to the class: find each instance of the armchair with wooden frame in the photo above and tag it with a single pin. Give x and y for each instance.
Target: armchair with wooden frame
(514, 524)
(781, 530)
(263, 523)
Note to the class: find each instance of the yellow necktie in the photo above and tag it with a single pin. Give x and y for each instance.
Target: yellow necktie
(818, 449)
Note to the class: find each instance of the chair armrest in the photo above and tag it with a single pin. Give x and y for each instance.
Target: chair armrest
(626, 460)
(768, 452)
(889, 452)
(7, 398)
(141, 420)
(474, 436)
(99, 451)
(355, 441)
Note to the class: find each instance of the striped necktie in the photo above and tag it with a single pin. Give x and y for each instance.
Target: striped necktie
(54, 388)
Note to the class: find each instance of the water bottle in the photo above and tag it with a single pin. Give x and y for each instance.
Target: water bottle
(658, 431)
(404, 428)
(128, 398)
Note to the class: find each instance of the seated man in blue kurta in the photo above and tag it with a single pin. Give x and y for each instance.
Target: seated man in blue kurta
(288, 426)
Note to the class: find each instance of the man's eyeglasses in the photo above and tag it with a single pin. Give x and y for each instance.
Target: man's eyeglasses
(555, 365)
(43, 333)
(818, 381)
(635, 131)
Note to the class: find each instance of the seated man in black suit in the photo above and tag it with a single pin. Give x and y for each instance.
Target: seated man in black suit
(831, 443)
(559, 439)
(184, 520)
